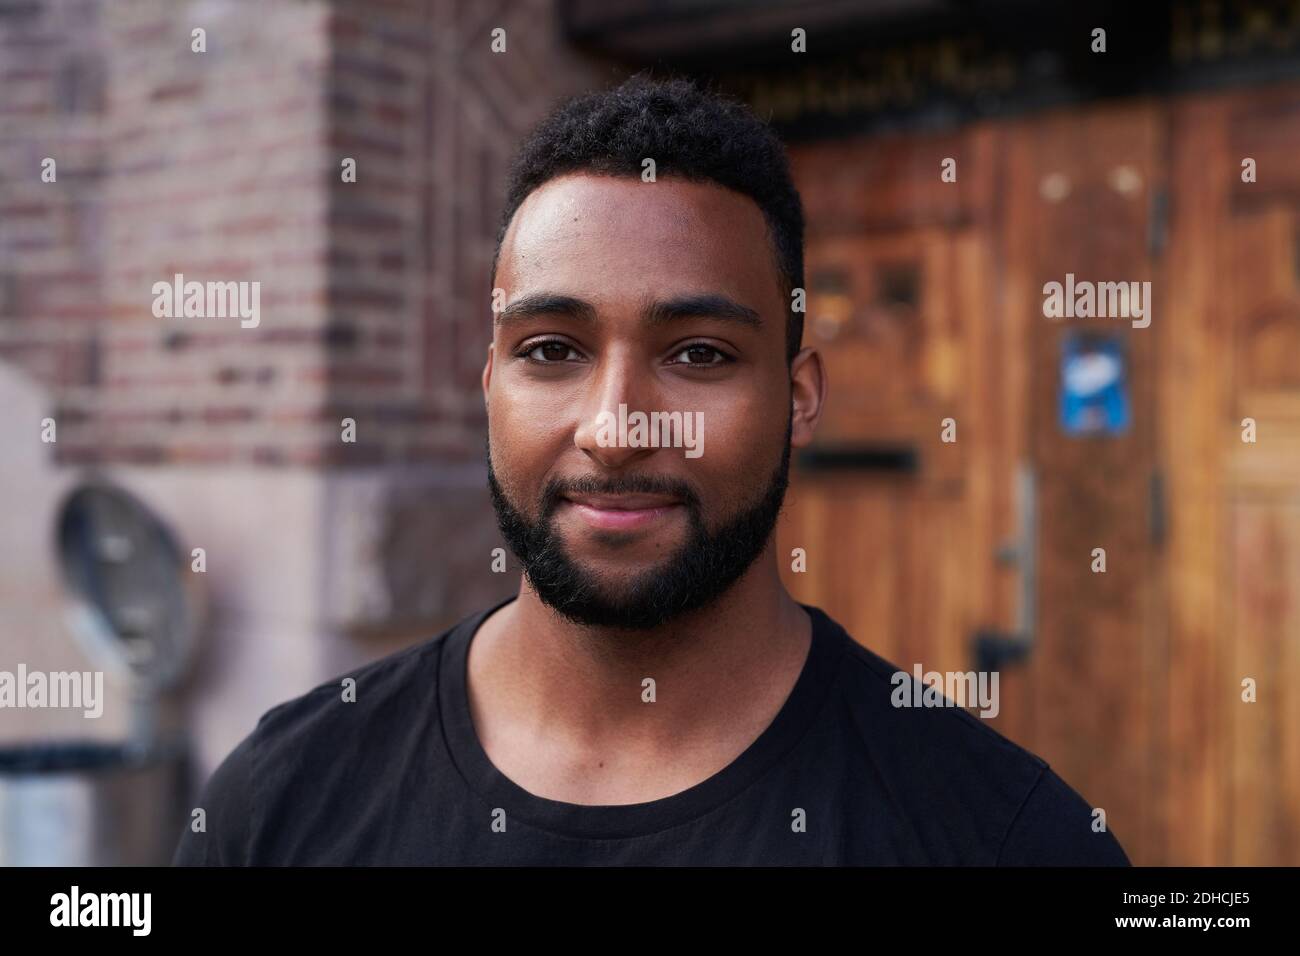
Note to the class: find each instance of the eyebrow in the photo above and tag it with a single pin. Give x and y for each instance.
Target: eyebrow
(709, 305)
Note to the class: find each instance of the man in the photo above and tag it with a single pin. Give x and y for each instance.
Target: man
(652, 695)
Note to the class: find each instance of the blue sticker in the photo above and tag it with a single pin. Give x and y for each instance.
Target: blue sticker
(1094, 386)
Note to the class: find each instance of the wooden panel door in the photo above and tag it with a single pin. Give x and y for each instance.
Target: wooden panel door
(909, 561)
(1261, 276)
(1233, 783)
(900, 543)
(893, 545)
(1082, 190)
(926, 299)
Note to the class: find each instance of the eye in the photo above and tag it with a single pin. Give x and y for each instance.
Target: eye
(548, 352)
(700, 354)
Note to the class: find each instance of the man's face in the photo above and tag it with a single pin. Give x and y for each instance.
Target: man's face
(610, 533)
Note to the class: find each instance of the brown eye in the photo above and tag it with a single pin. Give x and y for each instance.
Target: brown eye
(549, 352)
(700, 355)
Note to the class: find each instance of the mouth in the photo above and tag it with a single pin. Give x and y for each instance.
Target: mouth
(622, 512)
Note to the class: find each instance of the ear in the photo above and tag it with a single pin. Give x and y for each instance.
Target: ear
(808, 394)
(487, 373)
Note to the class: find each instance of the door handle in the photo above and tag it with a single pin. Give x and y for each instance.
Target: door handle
(993, 648)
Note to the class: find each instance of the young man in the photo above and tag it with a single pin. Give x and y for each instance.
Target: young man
(652, 695)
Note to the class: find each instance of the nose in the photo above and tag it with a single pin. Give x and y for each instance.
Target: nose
(620, 380)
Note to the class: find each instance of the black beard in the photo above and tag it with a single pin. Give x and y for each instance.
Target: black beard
(705, 566)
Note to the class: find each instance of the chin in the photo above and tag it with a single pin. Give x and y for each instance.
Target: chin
(622, 583)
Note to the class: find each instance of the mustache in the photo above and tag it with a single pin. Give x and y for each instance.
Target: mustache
(555, 489)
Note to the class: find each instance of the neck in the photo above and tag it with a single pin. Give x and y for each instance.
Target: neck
(720, 671)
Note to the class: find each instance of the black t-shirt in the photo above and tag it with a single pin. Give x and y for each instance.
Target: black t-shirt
(840, 777)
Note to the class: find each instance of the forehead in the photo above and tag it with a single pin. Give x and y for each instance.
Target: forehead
(606, 236)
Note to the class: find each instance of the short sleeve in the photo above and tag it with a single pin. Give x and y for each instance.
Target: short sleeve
(1055, 828)
(227, 802)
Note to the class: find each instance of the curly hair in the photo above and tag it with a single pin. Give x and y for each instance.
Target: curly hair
(690, 132)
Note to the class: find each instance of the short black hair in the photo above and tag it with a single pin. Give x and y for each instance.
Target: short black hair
(688, 131)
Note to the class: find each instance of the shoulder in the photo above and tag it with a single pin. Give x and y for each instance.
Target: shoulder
(895, 716)
(1055, 826)
(216, 829)
(304, 753)
(391, 688)
(955, 772)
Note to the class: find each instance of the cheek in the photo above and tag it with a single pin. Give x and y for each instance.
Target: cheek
(525, 438)
(756, 417)
(742, 442)
(529, 408)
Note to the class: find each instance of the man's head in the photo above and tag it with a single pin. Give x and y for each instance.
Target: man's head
(667, 294)
(689, 133)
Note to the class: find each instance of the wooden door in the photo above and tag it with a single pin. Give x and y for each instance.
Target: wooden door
(1084, 191)
(927, 300)
(900, 526)
(1231, 352)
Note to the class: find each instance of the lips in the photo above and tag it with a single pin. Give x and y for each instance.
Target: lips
(622, 512)
(628, 502)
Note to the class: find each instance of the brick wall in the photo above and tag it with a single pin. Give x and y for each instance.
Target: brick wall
(225, 166)
(216, 172)
(431, 115)
(52, 102)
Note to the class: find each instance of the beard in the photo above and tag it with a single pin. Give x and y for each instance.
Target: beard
(694, 576)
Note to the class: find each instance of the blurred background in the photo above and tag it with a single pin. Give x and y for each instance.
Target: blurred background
(179, 511)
